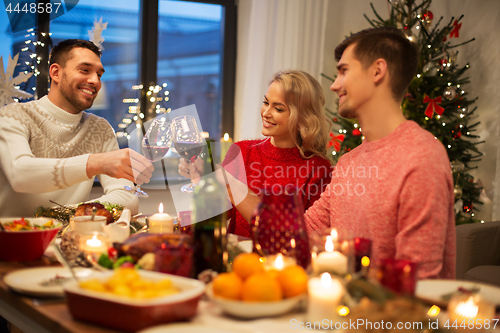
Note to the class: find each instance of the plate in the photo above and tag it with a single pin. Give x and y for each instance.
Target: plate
(185, 328)
(433, 290)
(30, 281)
(249, 310)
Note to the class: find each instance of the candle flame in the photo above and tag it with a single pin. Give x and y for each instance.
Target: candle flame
(160, 208)
(226, 137)
(335, 234)
(94, 242)
(329, 244)
(278, 263)
(434, 311)
(326, 280)
(467, 309)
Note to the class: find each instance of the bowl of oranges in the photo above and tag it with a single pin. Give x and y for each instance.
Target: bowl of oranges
(252, 291)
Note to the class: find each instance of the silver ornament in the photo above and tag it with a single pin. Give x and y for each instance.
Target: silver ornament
(449, 93)
(457, 166)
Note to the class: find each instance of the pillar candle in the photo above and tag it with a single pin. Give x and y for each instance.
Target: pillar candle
(161, 222)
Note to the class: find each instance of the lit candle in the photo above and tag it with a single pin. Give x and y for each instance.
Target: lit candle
(278, 262)
(330, 260)
(465, 307)
(161, 222)
(94, 243)
(324, 296)
(225, 143)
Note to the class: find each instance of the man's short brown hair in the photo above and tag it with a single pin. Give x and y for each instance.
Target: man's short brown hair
(59, 53)
(389, 44)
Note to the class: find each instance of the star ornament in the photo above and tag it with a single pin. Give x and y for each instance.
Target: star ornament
(9, 84)
(95, 34)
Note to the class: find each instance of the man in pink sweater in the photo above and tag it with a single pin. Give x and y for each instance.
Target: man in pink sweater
(396, 188)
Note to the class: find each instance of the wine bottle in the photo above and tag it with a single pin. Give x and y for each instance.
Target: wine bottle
(210, 205)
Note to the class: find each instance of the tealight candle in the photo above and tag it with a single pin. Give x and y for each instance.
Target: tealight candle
(324, 296)
(330, 260)
(465, 307)
(278, 262)
(161, 222)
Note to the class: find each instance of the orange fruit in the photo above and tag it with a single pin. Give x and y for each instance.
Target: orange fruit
(293, 280)
(228, 285)
(246, 264)
(261, 287)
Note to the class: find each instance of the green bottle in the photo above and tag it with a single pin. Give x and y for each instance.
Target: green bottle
(210, 206)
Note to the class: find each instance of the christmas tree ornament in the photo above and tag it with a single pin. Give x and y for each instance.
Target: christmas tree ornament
(397, 3)
(457, 191)
(449, 93)
(430, 69)
(459, 204)
(433, 106)
(452, 58)
(457, 166)
(9, 84)
(335, 141)
(467, 208)
(427, 19)
(456, 29)
(356, 132)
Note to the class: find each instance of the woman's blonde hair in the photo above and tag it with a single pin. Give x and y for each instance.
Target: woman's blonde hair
(308, 124)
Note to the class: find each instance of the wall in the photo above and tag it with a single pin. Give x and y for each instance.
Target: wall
(482, 22)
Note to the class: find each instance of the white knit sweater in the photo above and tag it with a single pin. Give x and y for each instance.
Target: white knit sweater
(43, 156)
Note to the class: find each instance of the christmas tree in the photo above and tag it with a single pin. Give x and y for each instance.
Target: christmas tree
(436, 98)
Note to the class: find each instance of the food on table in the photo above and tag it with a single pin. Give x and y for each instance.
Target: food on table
(228, 285)
(129, 283)
(23, 224)
(258, 284)
(293, 280)
(62, 212)
(86, 209)
(261, 287)
(246, 264)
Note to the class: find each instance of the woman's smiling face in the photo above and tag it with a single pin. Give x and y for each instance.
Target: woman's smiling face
(275, 114)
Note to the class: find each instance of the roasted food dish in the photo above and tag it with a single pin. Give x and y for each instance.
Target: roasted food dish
(86, 209)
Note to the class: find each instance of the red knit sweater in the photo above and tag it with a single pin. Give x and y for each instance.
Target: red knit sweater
(266, 165)
(397, 191)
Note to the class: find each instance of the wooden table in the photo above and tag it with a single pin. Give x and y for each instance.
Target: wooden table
(42, 315)
(50, 316)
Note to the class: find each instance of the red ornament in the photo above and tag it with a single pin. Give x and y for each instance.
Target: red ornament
(456, 29)
(356, 132)
(467, 208)
(428, 15)
(335, 141)
(433, 106)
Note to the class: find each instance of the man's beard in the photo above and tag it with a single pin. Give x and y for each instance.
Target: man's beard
(72, 96)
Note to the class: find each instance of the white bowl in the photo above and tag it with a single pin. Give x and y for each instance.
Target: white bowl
(251, 310)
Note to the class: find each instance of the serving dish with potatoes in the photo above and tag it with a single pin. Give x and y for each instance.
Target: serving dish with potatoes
(129, 300)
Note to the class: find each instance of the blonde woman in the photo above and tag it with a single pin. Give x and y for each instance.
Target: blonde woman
(293, 154)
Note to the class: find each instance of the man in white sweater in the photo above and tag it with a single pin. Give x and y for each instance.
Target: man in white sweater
(50, 149)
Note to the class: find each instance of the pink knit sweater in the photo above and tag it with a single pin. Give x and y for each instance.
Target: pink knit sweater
(265, 165)
(397, 191)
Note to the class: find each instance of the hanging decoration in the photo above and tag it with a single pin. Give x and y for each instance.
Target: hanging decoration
(456, 29)
(449, 93)
(95, 35)
(9, 89)
(427, 19)
(335, 141)
(433, 106)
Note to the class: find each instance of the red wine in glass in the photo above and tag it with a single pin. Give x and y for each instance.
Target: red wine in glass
(153, 153)
(188, 150)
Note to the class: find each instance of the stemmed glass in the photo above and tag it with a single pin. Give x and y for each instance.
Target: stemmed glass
(187, 141)
(155, 145)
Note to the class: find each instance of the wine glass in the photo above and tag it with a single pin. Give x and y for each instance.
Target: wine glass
(155, 145)
(187, 141)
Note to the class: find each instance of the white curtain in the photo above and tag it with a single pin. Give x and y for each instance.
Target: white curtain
(273, 35)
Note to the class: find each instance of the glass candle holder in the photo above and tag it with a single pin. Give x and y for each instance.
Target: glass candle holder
(398, 275)
(94, 243)
(362, 252)
(278, 262)
(333, 252)
(468, 312)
